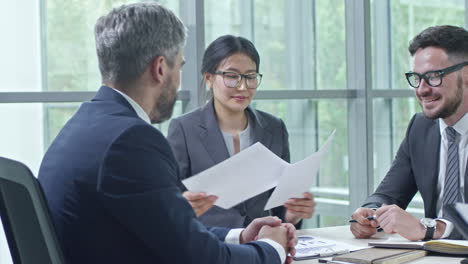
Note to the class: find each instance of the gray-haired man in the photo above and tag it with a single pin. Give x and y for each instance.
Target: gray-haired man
(110, 177)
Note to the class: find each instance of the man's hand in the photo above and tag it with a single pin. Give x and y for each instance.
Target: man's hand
(393, 219)
(364, 228)
(200, 201)
(278, 234)
(299, 208)
(292, 242)
(250, 233)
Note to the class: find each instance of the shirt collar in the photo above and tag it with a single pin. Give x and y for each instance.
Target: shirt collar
(138, 109)
(461, 126)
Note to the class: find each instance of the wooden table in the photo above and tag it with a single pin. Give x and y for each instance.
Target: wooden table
(343, 234)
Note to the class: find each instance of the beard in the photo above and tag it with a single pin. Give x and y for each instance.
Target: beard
(165, 104)
(452, 104)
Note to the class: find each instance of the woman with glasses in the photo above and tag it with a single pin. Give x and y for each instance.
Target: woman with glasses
(226, 125)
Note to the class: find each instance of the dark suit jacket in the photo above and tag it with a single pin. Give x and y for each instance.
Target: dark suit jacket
(198, 144)
(415, 168)
(111, 182)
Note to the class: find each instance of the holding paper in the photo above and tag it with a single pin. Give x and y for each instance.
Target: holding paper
(255, 170)
(298, 177)
(250, 172)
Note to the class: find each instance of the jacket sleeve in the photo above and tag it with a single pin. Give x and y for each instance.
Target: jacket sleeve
(398, 186)
(137, 185)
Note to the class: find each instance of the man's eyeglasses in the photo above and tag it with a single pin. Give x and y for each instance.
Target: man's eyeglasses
(433, 78)
(233, 79)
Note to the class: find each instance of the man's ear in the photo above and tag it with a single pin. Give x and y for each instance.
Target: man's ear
(158, 68)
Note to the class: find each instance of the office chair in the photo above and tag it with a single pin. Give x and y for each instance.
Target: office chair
(25, 215)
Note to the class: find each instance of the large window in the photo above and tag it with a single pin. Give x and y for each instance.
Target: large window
(327, 64)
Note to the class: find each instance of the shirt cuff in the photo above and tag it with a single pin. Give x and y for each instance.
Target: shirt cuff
(277, 247)
(448, 227)
(233, 236)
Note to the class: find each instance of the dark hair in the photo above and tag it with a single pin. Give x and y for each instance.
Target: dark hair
(452, 39)
(225, 46)
(130, 36)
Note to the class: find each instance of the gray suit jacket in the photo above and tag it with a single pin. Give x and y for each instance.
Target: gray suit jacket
(198, 144)
(415, 168)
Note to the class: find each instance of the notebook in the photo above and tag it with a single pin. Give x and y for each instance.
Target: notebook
(446, 246)
(381, 256)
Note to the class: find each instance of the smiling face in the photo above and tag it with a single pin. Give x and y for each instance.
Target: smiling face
(232, 100)
(447, 100)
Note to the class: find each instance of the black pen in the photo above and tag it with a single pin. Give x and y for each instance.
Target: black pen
(372, 217)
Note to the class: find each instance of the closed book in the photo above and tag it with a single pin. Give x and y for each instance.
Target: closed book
(381, 256)
(445, 246)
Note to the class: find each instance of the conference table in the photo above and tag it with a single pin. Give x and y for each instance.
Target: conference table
(343, 234)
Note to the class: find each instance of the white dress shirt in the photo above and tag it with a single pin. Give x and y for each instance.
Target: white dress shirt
(462, 128)
(233, 235)
(138, 109)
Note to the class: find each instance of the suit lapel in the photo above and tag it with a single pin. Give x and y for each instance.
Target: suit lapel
(431, 169)
(259, 131)
(211, 135)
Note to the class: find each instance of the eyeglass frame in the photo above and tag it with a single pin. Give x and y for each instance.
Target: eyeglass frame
(441, 72)
(243, 76)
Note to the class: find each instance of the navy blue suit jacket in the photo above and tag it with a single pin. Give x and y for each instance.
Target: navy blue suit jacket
(112, 185)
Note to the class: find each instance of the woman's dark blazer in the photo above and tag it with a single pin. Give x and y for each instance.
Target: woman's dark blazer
(198, 144)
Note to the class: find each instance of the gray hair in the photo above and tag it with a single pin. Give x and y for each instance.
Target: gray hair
(130, 36)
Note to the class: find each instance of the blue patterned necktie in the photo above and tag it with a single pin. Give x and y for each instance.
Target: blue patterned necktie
(452, 173)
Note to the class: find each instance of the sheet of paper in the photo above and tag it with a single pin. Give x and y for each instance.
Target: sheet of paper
(250, 172)
(314, 247)
(297, 178)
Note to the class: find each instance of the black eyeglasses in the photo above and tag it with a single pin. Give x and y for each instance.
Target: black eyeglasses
(233, 79)
(433, 78)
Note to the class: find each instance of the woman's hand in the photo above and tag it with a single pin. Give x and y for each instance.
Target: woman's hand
(299, 208)
(200, 201)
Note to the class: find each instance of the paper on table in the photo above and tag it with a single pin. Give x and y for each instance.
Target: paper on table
(297, 178)
(250, 172)
(308, 247)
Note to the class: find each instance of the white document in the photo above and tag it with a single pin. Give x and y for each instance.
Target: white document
(246, 174)
(255, 170)
(309, 247)
(297, 178)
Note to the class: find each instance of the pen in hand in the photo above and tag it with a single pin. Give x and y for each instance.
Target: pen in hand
(372, 217)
